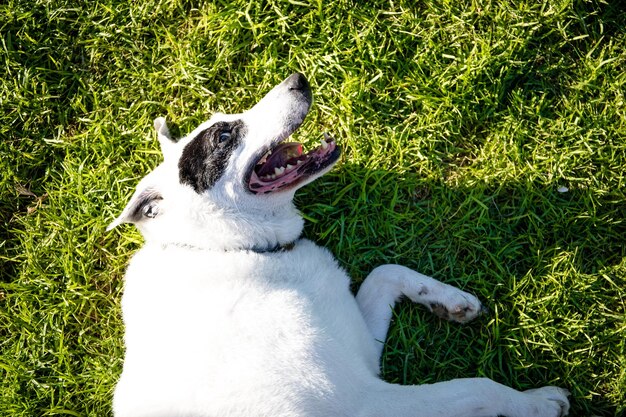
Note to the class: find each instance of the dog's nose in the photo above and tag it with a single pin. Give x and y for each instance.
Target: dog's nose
(298, 82)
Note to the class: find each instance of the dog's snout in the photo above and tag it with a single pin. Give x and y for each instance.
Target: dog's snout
(298, 82)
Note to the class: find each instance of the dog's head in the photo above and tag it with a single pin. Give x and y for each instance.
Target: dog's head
(230, 182)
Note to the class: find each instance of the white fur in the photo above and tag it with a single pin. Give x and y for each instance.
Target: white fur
(215, 330)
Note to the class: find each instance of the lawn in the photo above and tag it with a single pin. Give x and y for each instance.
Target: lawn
(484, 143)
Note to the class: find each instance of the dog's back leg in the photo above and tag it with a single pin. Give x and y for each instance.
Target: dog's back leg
(471, 397)
(387, 283)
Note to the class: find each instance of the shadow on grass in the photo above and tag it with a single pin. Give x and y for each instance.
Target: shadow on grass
(550, 266)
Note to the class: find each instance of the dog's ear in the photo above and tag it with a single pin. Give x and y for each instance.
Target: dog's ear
(165, 139)
(143, 204)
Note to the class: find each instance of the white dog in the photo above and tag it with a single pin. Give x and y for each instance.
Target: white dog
(229, 312)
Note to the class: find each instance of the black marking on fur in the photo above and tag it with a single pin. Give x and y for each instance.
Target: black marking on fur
(440, 310)
(204, 159)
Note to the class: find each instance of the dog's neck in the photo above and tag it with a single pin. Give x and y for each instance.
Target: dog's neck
(278, 248)
(234, 230)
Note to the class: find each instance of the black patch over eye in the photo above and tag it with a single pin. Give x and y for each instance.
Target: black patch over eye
(224, 137)
(204, 159)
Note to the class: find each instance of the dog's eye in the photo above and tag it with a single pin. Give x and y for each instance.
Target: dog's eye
(224, 137)
(150, 210)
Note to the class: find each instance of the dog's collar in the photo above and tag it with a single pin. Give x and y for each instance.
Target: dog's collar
(276, 248)
(256, 249)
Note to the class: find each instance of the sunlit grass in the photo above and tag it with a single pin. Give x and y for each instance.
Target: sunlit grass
(484, 144)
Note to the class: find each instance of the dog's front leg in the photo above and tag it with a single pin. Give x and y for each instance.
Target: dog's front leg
(471, 397)
(387, 283)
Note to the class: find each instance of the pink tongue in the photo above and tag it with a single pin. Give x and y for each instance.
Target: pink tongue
(281, 156)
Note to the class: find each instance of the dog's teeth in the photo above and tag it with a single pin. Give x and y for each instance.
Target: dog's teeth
(324, 144)
(289, 167)
(299, 162)
(279, 171)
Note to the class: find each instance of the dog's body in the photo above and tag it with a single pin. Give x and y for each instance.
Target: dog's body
(228, 312)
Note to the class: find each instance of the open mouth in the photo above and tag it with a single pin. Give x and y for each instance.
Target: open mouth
(286, 165)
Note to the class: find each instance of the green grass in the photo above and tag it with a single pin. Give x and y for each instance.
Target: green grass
(459, 123)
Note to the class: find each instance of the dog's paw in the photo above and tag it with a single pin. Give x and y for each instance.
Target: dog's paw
(461, 307)
(553, 401)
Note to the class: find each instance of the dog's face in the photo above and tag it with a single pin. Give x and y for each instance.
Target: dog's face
(232, 171)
